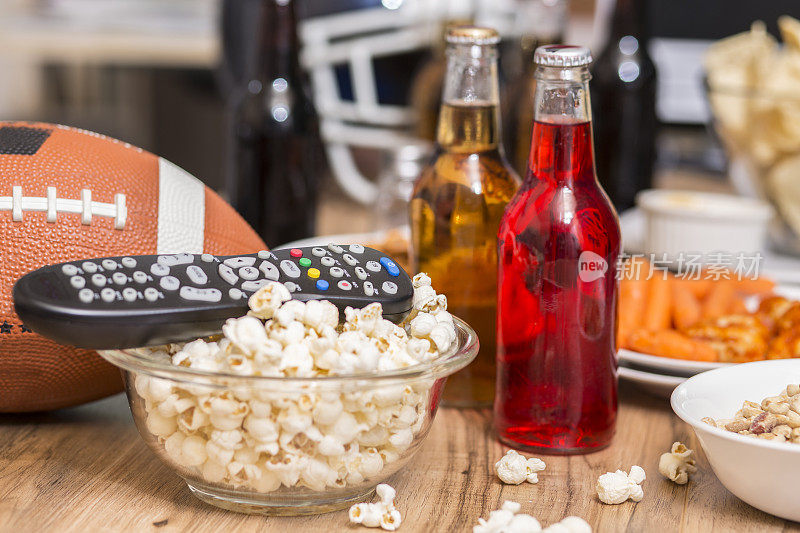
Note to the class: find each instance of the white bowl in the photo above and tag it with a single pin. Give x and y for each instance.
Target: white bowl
(762, 473)
(681, 224)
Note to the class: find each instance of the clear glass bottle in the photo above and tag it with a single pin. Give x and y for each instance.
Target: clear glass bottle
(459, 199)
(557, 290)
(396, 184)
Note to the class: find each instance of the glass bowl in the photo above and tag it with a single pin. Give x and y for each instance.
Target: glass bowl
(761, 134)
(204, 426)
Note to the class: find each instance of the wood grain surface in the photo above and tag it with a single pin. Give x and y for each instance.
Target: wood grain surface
(86, 469)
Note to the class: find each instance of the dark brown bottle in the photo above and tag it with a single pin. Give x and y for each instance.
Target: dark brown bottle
(276, 158)
(624, 104)
(545, 23)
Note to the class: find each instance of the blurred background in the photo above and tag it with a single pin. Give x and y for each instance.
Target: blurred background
(351, 89)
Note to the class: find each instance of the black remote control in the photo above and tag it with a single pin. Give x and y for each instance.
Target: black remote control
(127, 302)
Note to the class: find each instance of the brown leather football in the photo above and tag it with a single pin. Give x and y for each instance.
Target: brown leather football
(69, 194)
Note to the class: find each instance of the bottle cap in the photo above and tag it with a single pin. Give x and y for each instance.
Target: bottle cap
(562, 55)
(472, 35)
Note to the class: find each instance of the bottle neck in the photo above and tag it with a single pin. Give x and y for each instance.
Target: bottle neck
(629, 18)
(278, 43)
(469, 119)
(561, 144)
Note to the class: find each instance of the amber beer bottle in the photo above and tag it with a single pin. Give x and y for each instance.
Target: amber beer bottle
(276, 157)
(459, 199)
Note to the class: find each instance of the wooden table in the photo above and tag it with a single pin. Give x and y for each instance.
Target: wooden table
(86, 469)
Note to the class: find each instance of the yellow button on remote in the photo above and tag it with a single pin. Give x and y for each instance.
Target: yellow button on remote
(313, 273)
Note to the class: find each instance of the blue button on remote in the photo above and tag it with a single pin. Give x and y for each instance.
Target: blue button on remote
(322, 285)
(390, 266)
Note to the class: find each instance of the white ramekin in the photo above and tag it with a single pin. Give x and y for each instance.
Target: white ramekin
(716, 227)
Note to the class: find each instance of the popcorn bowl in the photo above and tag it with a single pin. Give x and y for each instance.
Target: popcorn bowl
(253, 444)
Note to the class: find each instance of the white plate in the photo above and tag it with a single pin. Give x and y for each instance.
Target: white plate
(656, 384)
(345, 238)
(666, 364)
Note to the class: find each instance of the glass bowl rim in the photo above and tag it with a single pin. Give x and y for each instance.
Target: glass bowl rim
(463, 352)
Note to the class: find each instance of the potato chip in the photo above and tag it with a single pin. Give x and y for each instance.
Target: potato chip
(790, 31)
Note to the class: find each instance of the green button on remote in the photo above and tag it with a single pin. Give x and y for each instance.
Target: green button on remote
(305, 262)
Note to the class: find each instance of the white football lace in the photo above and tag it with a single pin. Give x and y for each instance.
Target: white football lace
(52, 205)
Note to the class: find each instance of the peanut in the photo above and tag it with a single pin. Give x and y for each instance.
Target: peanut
(775, 418)
(793, 389)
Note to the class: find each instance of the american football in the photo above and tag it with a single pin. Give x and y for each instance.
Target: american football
(68, 194)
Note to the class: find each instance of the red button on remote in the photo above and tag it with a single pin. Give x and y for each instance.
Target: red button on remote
(295, 252)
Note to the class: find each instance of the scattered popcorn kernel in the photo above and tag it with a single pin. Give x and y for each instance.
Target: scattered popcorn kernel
(677, 464)
(618, 487)
(506, 520)
(571, 524)
(514, 468)
(381, 514)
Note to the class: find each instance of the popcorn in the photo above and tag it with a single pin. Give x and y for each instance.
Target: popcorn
(571, 524)
(677, 464)
(514, 468)
(261, 439)
(617, 487)
(381, 514)
(508, 519)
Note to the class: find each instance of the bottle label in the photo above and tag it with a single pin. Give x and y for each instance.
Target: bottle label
(591, 267)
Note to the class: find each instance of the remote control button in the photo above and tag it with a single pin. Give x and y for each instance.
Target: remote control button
(369, 290)
(89, 267)
(196, 274)
(207, 258)
(296, 252)
(336, 272)
(157, 269)
(389, 287)
(139, 277)
(312, 273)
(129, 294)
(128, 262)
(361, 273)
(77, 282)
(200, 295)
(350, 260)
(235, 294)
(176, 259)
(266, 254)
(322, 285)
(239, 262)
(335, 248)
(269, 270)
(228, 274)
(305, 262)
(69, 270)
(356, 248)
(290, 269)
(328, 261)
(319, 252)
(170, 283)
(253, 286)
(373, 266)
(109, 264)
(86, 296)
(151, 295)
(248, 273)
(108, 295)
(119, 278)
(291, 286)
(390, 266)
(99, 280)
(344, 285)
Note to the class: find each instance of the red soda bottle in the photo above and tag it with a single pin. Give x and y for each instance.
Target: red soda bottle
(559, 240)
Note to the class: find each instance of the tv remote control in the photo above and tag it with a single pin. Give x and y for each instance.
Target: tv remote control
(127, 302)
